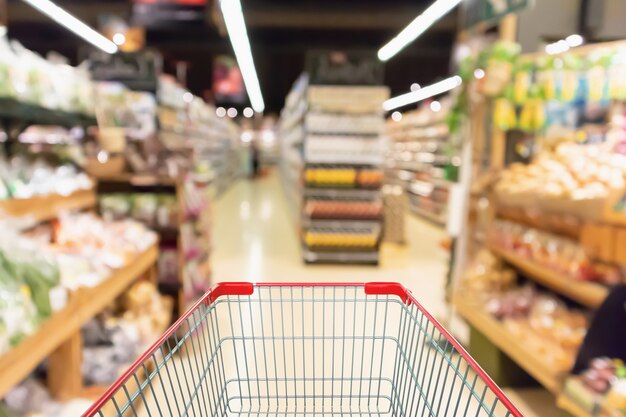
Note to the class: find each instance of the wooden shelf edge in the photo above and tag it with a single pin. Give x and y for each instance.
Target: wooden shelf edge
(508, 343)
(140, 180)
(568, 405)
(588, 294)
(85, 303)
(48, 207)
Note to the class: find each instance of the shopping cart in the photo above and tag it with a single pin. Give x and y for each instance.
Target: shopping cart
(305, 349)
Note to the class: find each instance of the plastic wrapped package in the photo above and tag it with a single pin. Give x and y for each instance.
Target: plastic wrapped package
(117, 345)
(7, 58)
(18, 314)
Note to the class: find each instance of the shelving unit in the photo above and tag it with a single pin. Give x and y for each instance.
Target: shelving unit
(588, 224)
(14, 111)
(180, 235)
(44, 208)
(419, 159)
(342, 175)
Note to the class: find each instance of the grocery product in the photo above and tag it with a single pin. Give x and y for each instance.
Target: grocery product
(570, 171)
(544, 324)
(555, 252)
(29, 78)
(25, 177)
(487, 275)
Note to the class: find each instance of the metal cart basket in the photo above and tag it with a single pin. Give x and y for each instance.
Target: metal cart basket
(305, 350)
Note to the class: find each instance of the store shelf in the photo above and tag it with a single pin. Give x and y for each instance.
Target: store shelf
(530, 361)
(588, 294)
(140, 180)
(13, 110)
(85, 303)
(363, 257)
(48, 207)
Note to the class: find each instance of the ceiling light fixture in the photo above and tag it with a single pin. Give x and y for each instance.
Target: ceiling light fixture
(63, 18)
(119, 39)
(418, 26)
(248, 112)
(236, 27)
(423, 93)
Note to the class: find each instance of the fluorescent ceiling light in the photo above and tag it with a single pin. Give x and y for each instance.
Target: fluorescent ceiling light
(63, 18)
(423, 93)
(418, 26)
(236, 27)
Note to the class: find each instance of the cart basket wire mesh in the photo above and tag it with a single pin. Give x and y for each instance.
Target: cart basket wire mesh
(305, 350)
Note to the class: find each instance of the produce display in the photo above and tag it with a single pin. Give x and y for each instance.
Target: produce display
(561, 254)
(113, 340)
(29, 78)
(487, 276)
(570, 171)
(600, 389)
(153, 210)
(40, 267)
(544, 325)
(22, 177)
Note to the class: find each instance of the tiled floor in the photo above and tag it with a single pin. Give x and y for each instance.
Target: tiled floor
(255, 240)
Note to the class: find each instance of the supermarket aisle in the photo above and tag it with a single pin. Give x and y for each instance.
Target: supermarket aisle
(255, 240)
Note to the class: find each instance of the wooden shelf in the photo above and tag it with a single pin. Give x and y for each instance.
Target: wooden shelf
(586, 293)
(85, 303)
(505, 341)
(48, 207)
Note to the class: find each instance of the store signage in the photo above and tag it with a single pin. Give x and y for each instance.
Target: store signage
(344, 68)
(166, 12)
(490, 11)
(137, 70)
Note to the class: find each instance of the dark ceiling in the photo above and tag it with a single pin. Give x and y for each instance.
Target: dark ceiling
(281, 32)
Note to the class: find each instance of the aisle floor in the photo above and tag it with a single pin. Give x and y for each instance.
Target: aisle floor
(256, 240)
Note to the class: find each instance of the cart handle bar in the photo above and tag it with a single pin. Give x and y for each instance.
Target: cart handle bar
(247, 288)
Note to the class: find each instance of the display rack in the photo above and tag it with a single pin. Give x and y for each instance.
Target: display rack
(422, 160)
(342, 208)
